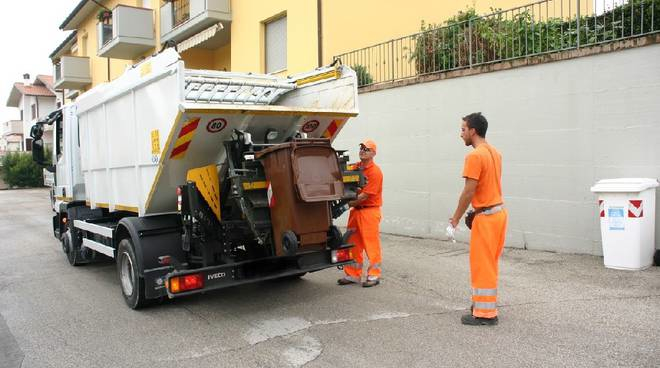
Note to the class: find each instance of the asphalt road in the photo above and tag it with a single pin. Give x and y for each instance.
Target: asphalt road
(556, 310)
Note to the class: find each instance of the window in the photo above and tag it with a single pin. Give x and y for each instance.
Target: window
(276, 45)
(21, 114)
(34, 111)
(28, 144)
(180, 11)
(74, 47)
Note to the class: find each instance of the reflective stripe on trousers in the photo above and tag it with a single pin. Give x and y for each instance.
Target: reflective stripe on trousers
(480, 305)
(374, 270)
(484, 292)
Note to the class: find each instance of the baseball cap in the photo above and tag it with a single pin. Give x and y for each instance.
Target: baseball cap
(369, 144)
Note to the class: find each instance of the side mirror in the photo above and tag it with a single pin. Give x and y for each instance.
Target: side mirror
(36, 132)
(38, 151)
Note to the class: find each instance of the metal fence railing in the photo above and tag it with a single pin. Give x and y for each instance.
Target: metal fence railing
(469, 40)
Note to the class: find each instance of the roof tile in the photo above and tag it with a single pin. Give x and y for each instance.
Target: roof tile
(31, 90)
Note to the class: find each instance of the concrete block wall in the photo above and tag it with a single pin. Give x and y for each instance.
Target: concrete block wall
(560, 127)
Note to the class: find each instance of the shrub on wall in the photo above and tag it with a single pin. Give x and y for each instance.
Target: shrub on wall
(363, 75)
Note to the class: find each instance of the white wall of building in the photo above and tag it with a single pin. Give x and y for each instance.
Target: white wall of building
(560, 127)
(46, 106)
(10, 140)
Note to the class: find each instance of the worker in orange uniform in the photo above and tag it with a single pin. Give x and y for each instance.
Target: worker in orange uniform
(364, 220)
(483, 189)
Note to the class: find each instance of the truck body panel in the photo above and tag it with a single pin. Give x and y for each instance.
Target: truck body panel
(159, 120)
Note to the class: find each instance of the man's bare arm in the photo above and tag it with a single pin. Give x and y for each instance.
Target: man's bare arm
(464, 200)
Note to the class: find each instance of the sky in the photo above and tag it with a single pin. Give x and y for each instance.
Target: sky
(29, 32)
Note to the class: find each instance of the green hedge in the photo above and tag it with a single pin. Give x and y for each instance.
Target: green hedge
(18, 170)
(447, 46)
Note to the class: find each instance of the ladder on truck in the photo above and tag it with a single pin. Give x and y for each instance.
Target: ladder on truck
(202, 86)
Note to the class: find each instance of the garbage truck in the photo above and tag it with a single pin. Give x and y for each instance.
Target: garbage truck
(197, 180)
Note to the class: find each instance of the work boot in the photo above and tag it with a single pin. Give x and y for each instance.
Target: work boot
(371, 282)
(471, 320)
(345, 281)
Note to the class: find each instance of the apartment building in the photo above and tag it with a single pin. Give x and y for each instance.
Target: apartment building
(280, 36)
(35, 99)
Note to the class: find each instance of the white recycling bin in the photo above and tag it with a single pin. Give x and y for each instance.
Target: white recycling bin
(627, 221)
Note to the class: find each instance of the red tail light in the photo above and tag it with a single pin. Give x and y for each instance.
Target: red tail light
(341, 255)
(178, 198)
(180, 284)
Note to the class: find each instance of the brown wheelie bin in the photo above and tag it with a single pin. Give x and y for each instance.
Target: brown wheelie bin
(303, 176)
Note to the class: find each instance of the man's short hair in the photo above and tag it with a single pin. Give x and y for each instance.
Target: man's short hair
(478, 122)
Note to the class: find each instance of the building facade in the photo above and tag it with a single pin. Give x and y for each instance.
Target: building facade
(11, 136)
(34, 99)
(279, 37)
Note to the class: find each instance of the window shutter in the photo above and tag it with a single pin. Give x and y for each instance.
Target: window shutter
(276, 45)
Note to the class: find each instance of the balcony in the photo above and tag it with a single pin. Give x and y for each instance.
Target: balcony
(12, 127)
(129, 35)
(182, 19)
(72, 72)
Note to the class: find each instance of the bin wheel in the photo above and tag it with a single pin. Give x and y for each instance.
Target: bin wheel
(656, 259)
(289, 243)
(334, 237)
(132, 285)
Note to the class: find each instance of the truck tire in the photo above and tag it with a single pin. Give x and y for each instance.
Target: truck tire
(656, 258)
(69, 248)
(132, 285)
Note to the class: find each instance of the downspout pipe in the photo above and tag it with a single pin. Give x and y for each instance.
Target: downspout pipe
(319, 22)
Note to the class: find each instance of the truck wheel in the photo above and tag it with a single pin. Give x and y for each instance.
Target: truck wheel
(72, 254)
(65, 243)
(289, 243)
(132, 285)
(657, 257)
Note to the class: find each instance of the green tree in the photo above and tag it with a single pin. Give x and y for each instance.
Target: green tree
(18, 170)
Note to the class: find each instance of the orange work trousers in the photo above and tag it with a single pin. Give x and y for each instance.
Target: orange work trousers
(366, 225)
(486, 244)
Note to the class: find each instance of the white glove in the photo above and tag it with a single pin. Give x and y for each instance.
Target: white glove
(451, 233)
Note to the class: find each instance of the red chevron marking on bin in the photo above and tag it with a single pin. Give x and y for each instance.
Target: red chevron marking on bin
(635, 208)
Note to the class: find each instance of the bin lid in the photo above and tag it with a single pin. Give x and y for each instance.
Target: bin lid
(624, 185)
